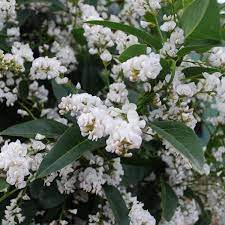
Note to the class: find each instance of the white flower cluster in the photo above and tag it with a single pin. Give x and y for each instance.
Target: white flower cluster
(174, 43)
(217, 57)
(158, 82)
(177, 106)
(7, 12)
(169, 24)
(52, 113)
(39, 91)
(185, 215)
(11, 65)
(219, 153)
(142, 6)
(178, 169)
(90, 178)
(123, 41)
(22, 51)
(100, 38)
(137, 214)
(142, 68)
(13, 213)
(214, 84)
(117, 94)
(103, 216)
(16, 163)
(66, 55)
(216, 201)
(48, 68)
(123, 126)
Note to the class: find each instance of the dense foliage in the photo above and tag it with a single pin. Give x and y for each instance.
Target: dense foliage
(112, 112)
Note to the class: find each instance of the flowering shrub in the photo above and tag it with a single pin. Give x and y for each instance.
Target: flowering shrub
(112, 112)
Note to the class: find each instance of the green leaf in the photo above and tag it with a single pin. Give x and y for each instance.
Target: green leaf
(205, 218)
(49, 128)
(70, 147)
(90, 69)
(151, 19)
(60, 90)
(50, 197)
(133, 95)
(134, 173)
(140, 34)
(57, 5)
(23, 15)
(197, 70)
(3, 43)
(3, 184)
(183, 139)
(181, 4)
(169, 201)
(201, 20)
(35, 188)
(78, 34)
(191, 194)
(29, 209)
(199, 46)
(117, 205)
(91, 2)
(23, 89)
(133, 50)
(47, 197)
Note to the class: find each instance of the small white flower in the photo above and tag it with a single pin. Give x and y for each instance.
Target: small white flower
(142, 67)
(168, 26)
(186, 89)
(106, 56)
(39, 137)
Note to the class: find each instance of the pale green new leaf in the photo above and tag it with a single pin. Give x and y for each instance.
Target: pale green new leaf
(201, 20)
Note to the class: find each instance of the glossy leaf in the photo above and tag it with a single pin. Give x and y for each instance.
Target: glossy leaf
(183, 139)
(70, 147)
(140, 34)
(49, 128)
(201, 20)
(169, 201)
(132, 51)
(117, 205)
